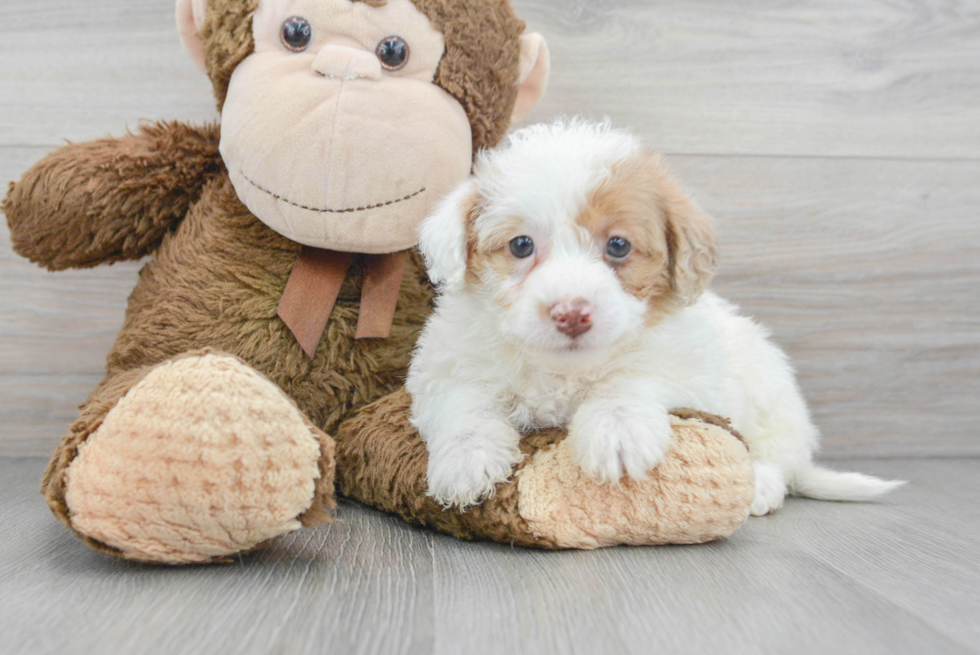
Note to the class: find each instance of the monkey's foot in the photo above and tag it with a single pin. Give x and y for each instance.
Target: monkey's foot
(203, 459)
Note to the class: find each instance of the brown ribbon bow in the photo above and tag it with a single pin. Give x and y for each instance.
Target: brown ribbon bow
(314, 285)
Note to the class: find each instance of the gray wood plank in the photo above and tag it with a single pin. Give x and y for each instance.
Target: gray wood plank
(36, 410)
(830, 77)
(56, 323)
(897, 576)
(55, 331)
(822, 77)
(752, 594)
(919, 550)
(868, 272)
(893, 577)
(79, 71)
(361, 585)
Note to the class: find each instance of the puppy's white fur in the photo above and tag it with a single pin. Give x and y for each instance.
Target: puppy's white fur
(491, 364)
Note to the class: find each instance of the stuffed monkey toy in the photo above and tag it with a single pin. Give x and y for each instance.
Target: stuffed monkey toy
(283, 297)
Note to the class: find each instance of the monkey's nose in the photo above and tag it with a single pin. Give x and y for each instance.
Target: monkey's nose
(344, 63)
(572, 317)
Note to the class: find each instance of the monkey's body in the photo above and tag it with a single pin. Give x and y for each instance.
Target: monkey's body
(216, 281)
(213, 286)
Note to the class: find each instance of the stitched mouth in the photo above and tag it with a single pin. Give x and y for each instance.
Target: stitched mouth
(321, 210)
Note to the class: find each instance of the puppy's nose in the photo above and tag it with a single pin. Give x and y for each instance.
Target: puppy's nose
(572, 317)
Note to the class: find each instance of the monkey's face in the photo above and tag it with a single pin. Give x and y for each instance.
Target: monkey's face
(333, 131)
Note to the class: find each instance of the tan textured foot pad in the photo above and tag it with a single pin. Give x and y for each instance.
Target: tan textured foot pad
(702, 491)
(203, 459)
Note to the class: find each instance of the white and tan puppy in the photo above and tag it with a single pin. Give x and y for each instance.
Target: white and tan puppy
(572, 271)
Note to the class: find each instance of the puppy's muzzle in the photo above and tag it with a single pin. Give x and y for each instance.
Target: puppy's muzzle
(573, 317)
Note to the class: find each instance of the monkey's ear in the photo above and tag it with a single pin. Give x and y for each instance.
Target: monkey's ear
(190, 20)
(442, 239)
(535, 66)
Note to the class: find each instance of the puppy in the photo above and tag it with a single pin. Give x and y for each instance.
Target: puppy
(573, 274)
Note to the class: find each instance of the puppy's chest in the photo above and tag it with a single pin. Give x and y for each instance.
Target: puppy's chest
(545, 400)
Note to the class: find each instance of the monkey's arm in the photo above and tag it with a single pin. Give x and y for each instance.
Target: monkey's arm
(113, 199)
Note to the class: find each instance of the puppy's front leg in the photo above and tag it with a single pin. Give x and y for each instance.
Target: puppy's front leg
(621, 427)
(471, 448)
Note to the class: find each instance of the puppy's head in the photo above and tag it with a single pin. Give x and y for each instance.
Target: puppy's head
(570, 236)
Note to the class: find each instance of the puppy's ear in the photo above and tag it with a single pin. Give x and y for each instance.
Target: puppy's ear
(692, 243)
(442, 239)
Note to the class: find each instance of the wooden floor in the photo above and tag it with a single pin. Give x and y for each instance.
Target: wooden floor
(897, 577)
(837, 145)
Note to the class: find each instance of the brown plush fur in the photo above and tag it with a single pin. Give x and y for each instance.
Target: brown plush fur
(218, 272)
(710, 419)
(479, 67)
(382, 461)
(112, 199)
(215, 283)
(227, 37)
(483, 74)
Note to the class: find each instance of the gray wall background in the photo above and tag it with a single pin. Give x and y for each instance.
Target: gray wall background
(836, 143)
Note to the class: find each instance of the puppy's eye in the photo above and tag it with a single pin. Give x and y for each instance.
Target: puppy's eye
(522, 247)
(393, 53)
(296, 34)
(618, 248)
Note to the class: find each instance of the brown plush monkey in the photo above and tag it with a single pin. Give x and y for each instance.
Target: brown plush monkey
(276, 303)
(342, 124)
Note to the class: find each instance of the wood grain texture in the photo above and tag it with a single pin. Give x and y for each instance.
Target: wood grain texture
(315, 591)
(868, 272)
(894, 577)
(868, 78)
(79, 71)
(829, 77)
(835, 142)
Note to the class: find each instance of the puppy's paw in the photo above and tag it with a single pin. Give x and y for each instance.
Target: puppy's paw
(609, 439)
(770, 488)
(466, 467)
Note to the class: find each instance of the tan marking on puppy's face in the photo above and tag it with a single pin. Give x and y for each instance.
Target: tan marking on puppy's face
(488, 257)
(672, 255)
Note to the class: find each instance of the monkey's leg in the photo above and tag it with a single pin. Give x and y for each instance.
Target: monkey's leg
(193, 460)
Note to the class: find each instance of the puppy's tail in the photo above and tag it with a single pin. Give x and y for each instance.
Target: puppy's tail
(824, 484)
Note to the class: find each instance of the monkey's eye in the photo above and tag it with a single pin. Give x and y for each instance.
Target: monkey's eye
(393, 53)
(618, 248)
(522, 247)
(296, 34)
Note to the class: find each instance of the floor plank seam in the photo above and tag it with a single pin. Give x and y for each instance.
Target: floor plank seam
(850, 581)
(887, 457)
(824, 157)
